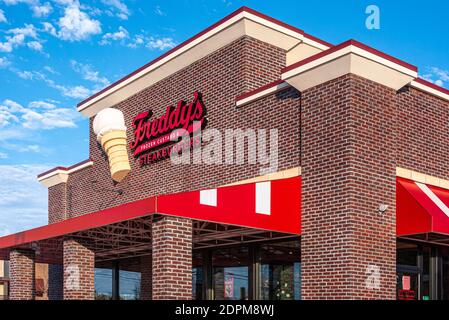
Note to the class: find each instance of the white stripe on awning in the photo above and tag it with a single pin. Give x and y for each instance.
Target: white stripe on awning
(440, 204)
(263, 197)
(208, 197)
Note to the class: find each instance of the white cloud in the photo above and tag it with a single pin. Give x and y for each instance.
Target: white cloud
(75, 25)
(38, 115)
(159, 11)
(23, 201)
(27, 75)
(39, 10)
(50, 70)
(49, 119)
(75, 92)
(29, 148)
(43, 10)
(119, 35)
(160, 44)
(28, 31)
(2, 16)
(16, 37)
(121, 8)
(35, 45)
(3, 155)
(4, 62)
(41, 105)
(48, 27)
(136, 42)
(437, 75)
(151, 42)
(88, 73)
(443, 75)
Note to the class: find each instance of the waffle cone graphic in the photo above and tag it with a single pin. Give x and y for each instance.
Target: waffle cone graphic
(109, 125)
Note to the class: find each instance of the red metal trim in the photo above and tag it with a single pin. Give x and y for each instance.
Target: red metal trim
(260, 89)
(97, 219)
(344, 45)
(64, 168)
(215, 25)
(432, 85)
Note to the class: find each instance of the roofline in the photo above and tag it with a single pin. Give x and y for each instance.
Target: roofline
(261, 92)
(71, 168)
(430, 85)
(213, 26)
(345, 44)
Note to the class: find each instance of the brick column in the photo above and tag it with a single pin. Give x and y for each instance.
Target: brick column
(146, 274)
(348, 170)
(55, 282)
(172, 258)
(22, 274)
(79, 264)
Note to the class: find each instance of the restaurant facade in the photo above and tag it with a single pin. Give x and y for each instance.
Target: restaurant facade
(351, 200)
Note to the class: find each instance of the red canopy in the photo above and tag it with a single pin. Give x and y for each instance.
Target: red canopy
(268, 205)
(421, 208)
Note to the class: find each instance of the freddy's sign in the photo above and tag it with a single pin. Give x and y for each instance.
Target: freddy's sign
(151, 134)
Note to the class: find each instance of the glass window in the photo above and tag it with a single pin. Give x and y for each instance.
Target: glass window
(103, 284)
(280, 271)
(425, 291)
(445, 273)
(407, 254)
(197, 276)
(230, 273)
(129, 285)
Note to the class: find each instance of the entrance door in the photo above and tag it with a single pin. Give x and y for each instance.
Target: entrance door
(408, 283)
(230, 273)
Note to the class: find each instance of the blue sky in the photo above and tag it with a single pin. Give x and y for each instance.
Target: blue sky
(55, 53)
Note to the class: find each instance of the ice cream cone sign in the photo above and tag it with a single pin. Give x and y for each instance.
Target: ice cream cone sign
(109, 126)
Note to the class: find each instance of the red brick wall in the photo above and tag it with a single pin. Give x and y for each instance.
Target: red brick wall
(57, 202)
(22, 273)
(172, 259)
(422, 133)
(79, 262)
(242, 65)
(146, 275)
(348, 169)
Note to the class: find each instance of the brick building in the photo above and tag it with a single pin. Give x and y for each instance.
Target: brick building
(357, 207)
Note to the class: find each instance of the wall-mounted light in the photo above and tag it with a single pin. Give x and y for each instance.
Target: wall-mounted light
(382, 208)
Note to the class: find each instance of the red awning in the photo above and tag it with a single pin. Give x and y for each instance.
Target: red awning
(94, 220)
(268, 205)
(421, 208)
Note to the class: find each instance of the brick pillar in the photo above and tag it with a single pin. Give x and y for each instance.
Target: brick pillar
(22, 274)
(348, 170)
(172, 258)
(146, 274)
(79, 267)
(55, 281)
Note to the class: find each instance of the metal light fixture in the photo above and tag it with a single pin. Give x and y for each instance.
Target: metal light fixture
(382, 208)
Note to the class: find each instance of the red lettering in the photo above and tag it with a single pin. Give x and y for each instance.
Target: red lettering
(174, 118)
